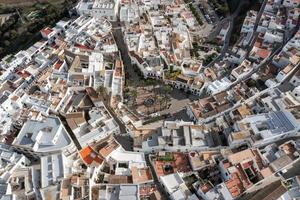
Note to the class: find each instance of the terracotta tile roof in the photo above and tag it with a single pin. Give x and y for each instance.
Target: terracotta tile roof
(140, 175)
(110, 147)
(89, 156)
(247, 164)
(80, 46)
(14, 98)
(241, 156)
(244, 110)
(205, 187)
(118, 68)
(58, 64)
(226, 165)
(258, 42)
(23, 73)
(92, 94)
(118, 179)
(288, 148)
(263, 53)
(180, 164)
(47, 31)
(235, 186)
(75, 119)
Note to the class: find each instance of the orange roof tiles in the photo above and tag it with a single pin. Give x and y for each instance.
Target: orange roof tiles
(247, 164)
(89, 156)
(258, 44)
(226, 165)
(180, 164)
(263, 53)
(118, 179)
(288, 68)
(47, 31)
(80, 46)
(205, 187)
(159, 167)
(58, 64)
(244, 110)
(92, 94)
(235, 185)
(241, 156)
(75, 119)
(110, 147)
(288, 148)
(118, 68)
(23, 73)
(141, 175)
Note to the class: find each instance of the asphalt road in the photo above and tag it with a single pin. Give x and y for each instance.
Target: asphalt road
(228, 35)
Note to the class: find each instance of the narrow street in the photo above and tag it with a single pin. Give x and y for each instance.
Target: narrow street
(265, 62)
(106, 98)
(212, 118)
(114, 115)
(164, 195)
(228, 35)
(255, 34)
(124, 139)
(131, 75)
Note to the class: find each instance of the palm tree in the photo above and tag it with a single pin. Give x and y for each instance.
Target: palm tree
(134, 95)
(101, 89)
(167, 100)
(168, 89)
(161, 101)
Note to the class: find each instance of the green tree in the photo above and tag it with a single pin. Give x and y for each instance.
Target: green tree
(171, 68)
(134, 95)
(6, 43)
(13, 34)
(168, 89)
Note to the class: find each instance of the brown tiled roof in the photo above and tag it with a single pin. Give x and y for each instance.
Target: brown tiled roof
(141, 175)
(118, 179)
(110, 147)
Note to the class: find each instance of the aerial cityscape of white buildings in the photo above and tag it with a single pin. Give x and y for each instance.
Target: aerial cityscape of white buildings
(68, 130)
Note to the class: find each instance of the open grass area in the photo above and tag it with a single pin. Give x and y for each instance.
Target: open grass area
(172, 75)
(168, 157)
